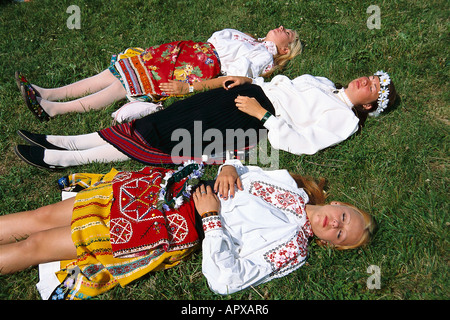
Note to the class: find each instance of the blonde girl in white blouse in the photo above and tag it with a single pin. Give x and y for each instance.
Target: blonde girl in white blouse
(239, 55)
(262, 230)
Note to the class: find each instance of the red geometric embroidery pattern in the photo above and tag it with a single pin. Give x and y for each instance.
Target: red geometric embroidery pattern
(121, 230)
(289, 254)
(178, 228)
(136, 223)
(138, 197)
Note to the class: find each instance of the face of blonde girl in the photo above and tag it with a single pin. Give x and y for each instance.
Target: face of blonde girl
(337, 224)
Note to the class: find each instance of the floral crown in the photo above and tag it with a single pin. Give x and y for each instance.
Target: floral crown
(383, 94)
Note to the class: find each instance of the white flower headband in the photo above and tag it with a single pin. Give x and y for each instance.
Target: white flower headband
(383, 100)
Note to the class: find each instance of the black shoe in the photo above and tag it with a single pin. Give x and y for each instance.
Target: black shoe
(34, 155)
(39, 140)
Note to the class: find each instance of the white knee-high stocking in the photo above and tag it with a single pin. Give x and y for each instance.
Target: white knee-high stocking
(79, 142)
(81, 149)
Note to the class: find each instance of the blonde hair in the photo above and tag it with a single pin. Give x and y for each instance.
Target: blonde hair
(369, 228)
(280, 60)
(317, 196)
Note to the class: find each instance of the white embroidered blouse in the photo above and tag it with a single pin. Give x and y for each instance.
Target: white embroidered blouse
(242, 55)
(309, 116)
(260, 234)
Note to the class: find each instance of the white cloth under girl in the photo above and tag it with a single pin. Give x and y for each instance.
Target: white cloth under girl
(310, 114)
(262, 233)
(241, 54)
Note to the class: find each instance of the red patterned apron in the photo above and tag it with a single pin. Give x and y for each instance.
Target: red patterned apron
(138, 222)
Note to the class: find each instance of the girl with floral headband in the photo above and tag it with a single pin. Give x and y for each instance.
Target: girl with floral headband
(286, 211)
(137, 73)
(300, 116)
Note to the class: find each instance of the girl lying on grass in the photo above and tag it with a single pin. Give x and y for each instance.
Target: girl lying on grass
(137, 73)
(300, 116)
(257, 226)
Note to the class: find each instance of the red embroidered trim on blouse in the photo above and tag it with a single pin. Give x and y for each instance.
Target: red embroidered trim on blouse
(212, 223)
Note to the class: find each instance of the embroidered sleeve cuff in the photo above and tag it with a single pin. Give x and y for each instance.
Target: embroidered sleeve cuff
(212, 223)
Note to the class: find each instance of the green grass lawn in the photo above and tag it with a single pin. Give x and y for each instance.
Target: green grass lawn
(396, 168)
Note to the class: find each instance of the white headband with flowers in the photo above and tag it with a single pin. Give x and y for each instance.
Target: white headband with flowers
(383, 100)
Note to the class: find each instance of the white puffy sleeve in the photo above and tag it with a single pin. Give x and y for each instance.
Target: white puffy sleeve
(332, 127)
